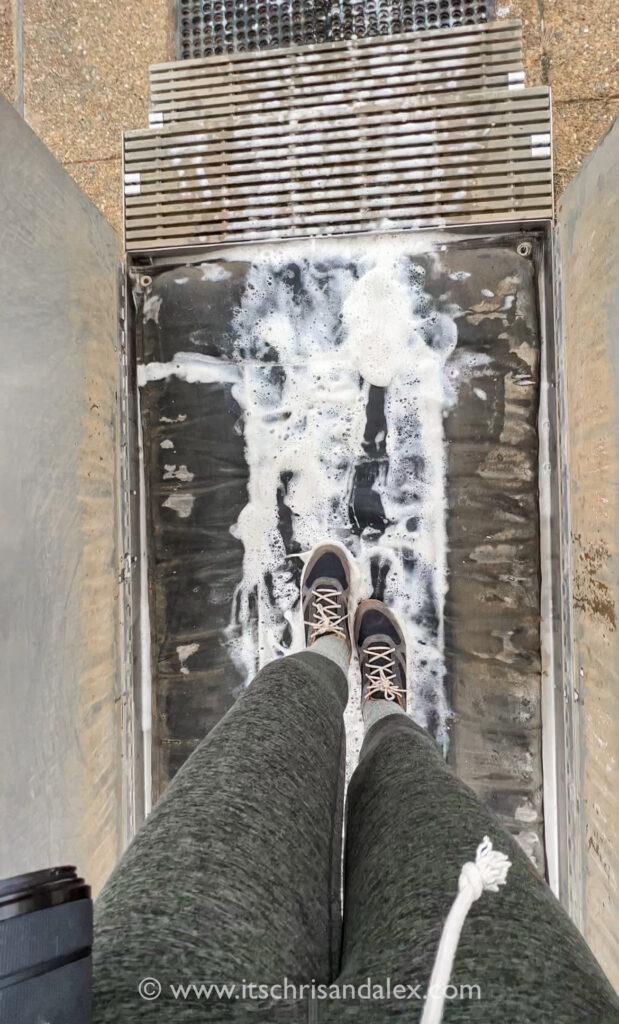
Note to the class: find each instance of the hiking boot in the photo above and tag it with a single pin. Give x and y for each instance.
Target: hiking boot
(325, 586)
(382, 653)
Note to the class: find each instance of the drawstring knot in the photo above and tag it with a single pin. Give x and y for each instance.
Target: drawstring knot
(486, 874)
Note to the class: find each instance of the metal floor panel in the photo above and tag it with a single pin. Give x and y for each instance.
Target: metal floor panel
(199, 448)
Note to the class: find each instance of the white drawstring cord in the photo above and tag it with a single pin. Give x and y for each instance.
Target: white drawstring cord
(487, 873)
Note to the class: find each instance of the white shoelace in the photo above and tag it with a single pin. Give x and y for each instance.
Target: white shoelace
(327, 618)
(380, 672)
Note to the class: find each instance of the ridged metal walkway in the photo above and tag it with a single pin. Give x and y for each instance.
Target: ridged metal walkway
(430, 129)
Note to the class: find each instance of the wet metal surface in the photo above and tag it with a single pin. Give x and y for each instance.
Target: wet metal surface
(197, 478)
(474, 57)
(206, 27)
(288, 144)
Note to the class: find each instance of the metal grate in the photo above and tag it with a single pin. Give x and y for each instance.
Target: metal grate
(209, 27)
(465, 59)
(432, 129)
(378, 167)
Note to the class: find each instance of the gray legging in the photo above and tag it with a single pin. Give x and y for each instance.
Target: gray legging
(235, 879)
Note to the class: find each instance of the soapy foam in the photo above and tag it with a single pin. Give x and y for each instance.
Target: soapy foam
(315, 342)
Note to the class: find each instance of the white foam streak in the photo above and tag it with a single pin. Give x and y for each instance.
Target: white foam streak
(192, 367)
(306, 353)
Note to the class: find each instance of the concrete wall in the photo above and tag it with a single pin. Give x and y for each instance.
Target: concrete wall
(60, 726)
(588, 235)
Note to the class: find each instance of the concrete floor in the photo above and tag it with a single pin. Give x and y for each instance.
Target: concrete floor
(81, 70)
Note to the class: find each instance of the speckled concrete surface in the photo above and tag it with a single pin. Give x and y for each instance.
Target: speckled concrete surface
(85, 77)
(573, 46)
(7, 66)
(582, 44)
(85, 71)
(528, 12)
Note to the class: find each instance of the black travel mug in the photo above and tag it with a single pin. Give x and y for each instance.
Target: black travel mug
(45, 948)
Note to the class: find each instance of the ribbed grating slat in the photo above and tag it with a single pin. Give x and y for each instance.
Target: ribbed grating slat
(470, 58)
(287, 144)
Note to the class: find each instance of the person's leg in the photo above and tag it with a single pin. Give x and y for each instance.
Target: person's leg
(411, 825)
(236, 874)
